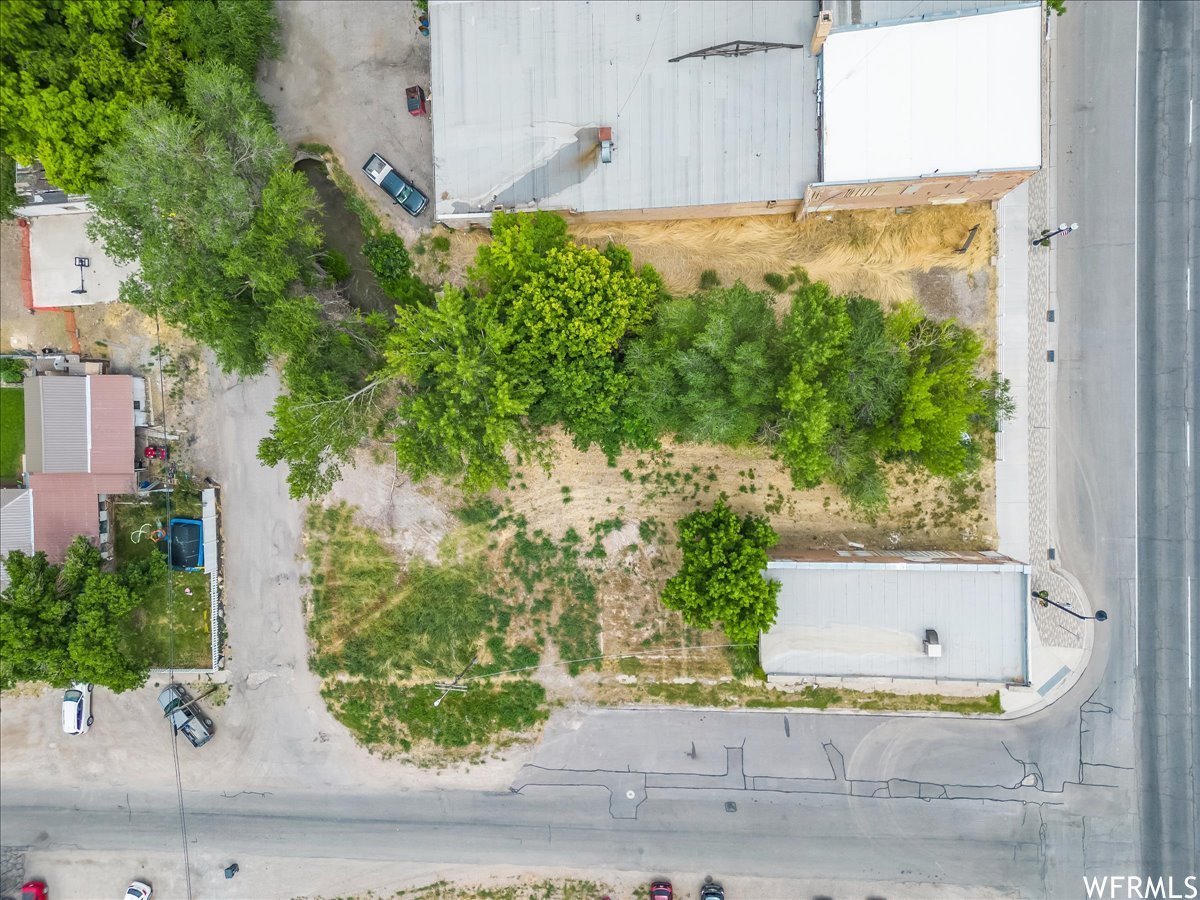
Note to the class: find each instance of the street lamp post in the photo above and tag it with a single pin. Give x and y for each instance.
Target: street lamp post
(1044, 598)
(1044, 239)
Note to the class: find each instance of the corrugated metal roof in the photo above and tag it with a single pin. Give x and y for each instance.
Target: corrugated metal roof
(111, 398)
(951, 95)
(67, 505)
(16, 526)
(521, 88)
(56, 411)
(869, 619)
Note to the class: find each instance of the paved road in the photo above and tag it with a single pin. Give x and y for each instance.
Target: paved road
(1168, 717)
(1126, 391)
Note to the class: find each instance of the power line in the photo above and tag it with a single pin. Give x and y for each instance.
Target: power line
(187, 863)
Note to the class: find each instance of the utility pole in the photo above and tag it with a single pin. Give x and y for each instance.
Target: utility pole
(454, 685)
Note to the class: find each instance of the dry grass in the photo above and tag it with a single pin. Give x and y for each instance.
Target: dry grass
(869, 252)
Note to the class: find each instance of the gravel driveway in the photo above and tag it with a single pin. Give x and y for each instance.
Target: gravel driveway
(340, 81)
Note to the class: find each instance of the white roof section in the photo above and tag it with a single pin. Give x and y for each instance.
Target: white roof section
(520, 89)
(951, 95)
(867, 619)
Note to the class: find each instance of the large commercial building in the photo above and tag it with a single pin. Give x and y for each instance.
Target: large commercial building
(695, 108)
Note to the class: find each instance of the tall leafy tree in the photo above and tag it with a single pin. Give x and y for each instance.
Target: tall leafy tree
(67, 623)
(208, 204)
(97, 641)
(463, 403)
(71, 69)
(721, 576)
(709, 368)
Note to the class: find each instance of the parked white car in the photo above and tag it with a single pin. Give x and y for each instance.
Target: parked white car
(139, 890)
(77, 708)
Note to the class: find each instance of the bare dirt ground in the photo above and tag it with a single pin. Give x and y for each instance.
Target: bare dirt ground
(21, 331)
(340, 81)
(871, 252)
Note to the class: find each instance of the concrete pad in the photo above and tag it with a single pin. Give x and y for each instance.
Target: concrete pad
(54, 244)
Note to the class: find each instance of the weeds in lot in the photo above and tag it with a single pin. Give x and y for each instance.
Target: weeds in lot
(381, 635)
(559, 889)
(388, 717)
(737, 694)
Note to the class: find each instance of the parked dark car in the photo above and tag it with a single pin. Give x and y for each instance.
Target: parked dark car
(712, 890)
(400, 189)
(185, 719)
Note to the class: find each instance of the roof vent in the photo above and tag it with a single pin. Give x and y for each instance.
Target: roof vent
(932, 646)
(606, 144)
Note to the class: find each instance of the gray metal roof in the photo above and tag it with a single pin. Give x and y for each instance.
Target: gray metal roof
(869, 619)
(520, 90)
(16, 526)
(56, 424)
(848, 13)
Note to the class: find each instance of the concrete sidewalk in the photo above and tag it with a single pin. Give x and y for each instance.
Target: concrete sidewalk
(1059, 643)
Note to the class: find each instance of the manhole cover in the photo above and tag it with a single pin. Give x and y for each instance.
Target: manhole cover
(730, 806)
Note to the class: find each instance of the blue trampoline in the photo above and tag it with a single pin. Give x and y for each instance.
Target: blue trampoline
(185, 545)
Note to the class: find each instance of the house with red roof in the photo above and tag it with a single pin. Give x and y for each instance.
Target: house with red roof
(79, 451)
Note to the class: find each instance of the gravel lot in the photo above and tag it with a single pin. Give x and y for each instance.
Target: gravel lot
(340, 81)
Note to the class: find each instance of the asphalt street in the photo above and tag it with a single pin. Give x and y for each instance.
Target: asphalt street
(1168, 613)
(1126, 371)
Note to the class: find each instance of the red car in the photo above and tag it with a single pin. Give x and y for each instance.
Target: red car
(661, 890)
(156, 453)
(34, 890)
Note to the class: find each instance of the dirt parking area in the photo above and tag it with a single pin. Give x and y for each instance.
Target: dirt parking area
(340, 81)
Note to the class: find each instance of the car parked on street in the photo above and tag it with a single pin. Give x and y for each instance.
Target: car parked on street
(400, 189)
(185, 718)
(77, 708)
(139, 890)
(661, 890)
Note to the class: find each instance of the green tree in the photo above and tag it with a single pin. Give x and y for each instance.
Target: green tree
(331, 405)
(35, 620)
(709, 368)
(239, 32)
(943, 396)
(66, 623)
(209, 206)
(816, 335)
(721, 576)
(97, 640)
(462, 403)
(71, 69)
(10, 200)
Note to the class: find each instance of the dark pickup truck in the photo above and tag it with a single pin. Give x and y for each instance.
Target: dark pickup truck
(181, 710)
(402, 191)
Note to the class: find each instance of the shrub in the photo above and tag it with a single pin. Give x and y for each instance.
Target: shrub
(336, 266)
(776, 282)
(709, 279)
(12, 371)
(440, 243)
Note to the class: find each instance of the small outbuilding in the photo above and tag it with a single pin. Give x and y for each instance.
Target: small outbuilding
(930, 615)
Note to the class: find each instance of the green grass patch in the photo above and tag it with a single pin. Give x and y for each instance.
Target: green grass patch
(12, 432)
(170, 625)
(556, 889)
(389, 717)
(395, 631)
